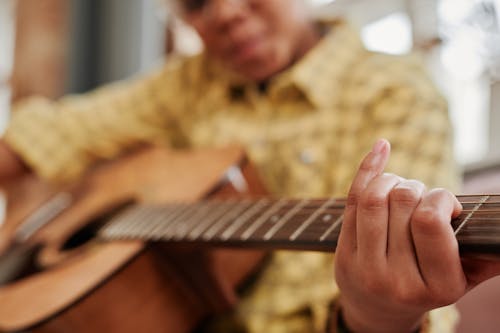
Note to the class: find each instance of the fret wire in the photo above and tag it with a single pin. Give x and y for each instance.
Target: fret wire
(168, 217)
(173, 210)
(334, 225)
(258, 222)
(212, 231)
(160, 230)
(243, 218)
(203, 223)
(481, 201)
(190, 222)
(196, 232)
(148, 222)
(120, 222)
(191, 226)
(131, 225)
(271, 232)
(311, 218)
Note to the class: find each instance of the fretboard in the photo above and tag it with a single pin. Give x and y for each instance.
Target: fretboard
(282, 223)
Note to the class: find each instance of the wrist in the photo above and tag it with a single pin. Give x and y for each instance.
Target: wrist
(350, 319)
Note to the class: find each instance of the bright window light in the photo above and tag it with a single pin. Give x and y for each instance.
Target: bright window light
(320, 2)
(6, 57)
(454, 11)
(391, 34)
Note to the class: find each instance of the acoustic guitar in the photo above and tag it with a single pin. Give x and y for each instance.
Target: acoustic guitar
(138, 247)
(57, 276)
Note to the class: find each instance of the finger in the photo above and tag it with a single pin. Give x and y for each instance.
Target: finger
(372, 216)
(371, 166)
(404, 199)
(435, 243)
(457, 207)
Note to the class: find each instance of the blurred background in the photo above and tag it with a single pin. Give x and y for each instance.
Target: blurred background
(55, 47)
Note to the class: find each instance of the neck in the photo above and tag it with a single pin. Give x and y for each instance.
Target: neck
(310, 37)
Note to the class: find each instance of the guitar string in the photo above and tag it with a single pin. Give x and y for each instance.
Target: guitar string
(339, 208)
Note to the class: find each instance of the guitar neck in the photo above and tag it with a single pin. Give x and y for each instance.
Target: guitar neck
(282, 223)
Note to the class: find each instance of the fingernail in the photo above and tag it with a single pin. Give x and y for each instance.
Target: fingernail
(378, 146)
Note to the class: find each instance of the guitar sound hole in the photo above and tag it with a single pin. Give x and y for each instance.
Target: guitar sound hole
(89, 231)
(82, 236)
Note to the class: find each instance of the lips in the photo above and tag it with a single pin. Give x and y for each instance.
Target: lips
(245, 50)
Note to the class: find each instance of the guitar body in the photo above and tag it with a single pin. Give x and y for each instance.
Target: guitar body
(81, 285)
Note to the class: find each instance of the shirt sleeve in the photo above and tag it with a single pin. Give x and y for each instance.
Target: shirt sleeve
(60, 139)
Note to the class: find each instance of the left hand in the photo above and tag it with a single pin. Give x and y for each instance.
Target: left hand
(397, 256)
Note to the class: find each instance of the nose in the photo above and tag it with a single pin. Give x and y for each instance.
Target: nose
(224, 11)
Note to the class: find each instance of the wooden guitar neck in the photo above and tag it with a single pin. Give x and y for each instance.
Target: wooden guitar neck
(283, 223)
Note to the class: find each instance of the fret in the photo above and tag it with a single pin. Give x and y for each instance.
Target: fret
(129, 223)
(325, 226)
(469, 215)
(217, 213)
(189, 222)
(267, 214)
(281, 222)
(149, 221)
(274, 219)
(333, 227)
(311, 218)
(162, 229)
(240, 221)
(237, 209)
(482, 231)
(117, 223)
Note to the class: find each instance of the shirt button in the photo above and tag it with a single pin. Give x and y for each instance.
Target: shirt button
(307, 156)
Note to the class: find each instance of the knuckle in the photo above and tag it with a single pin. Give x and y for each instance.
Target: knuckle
(352, 199)
(427, 220)
(408, 296)
(373, 200)
(442, 196)
(366, 165)
(442, 193)
(406, 291)
(405, 196)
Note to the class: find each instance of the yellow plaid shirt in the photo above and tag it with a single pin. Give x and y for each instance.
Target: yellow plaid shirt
(306, 131)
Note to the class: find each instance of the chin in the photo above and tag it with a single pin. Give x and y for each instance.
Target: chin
(258, 72)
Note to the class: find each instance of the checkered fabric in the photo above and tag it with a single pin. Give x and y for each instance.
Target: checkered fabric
(306, 130)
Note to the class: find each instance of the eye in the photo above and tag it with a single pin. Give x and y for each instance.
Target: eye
(193, 6)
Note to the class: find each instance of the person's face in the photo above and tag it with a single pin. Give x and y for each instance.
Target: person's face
(256, 38)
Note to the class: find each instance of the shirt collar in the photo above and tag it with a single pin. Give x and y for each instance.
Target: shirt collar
(320, 72)
(317, 75)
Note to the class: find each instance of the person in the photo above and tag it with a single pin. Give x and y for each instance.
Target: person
(306, 100)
